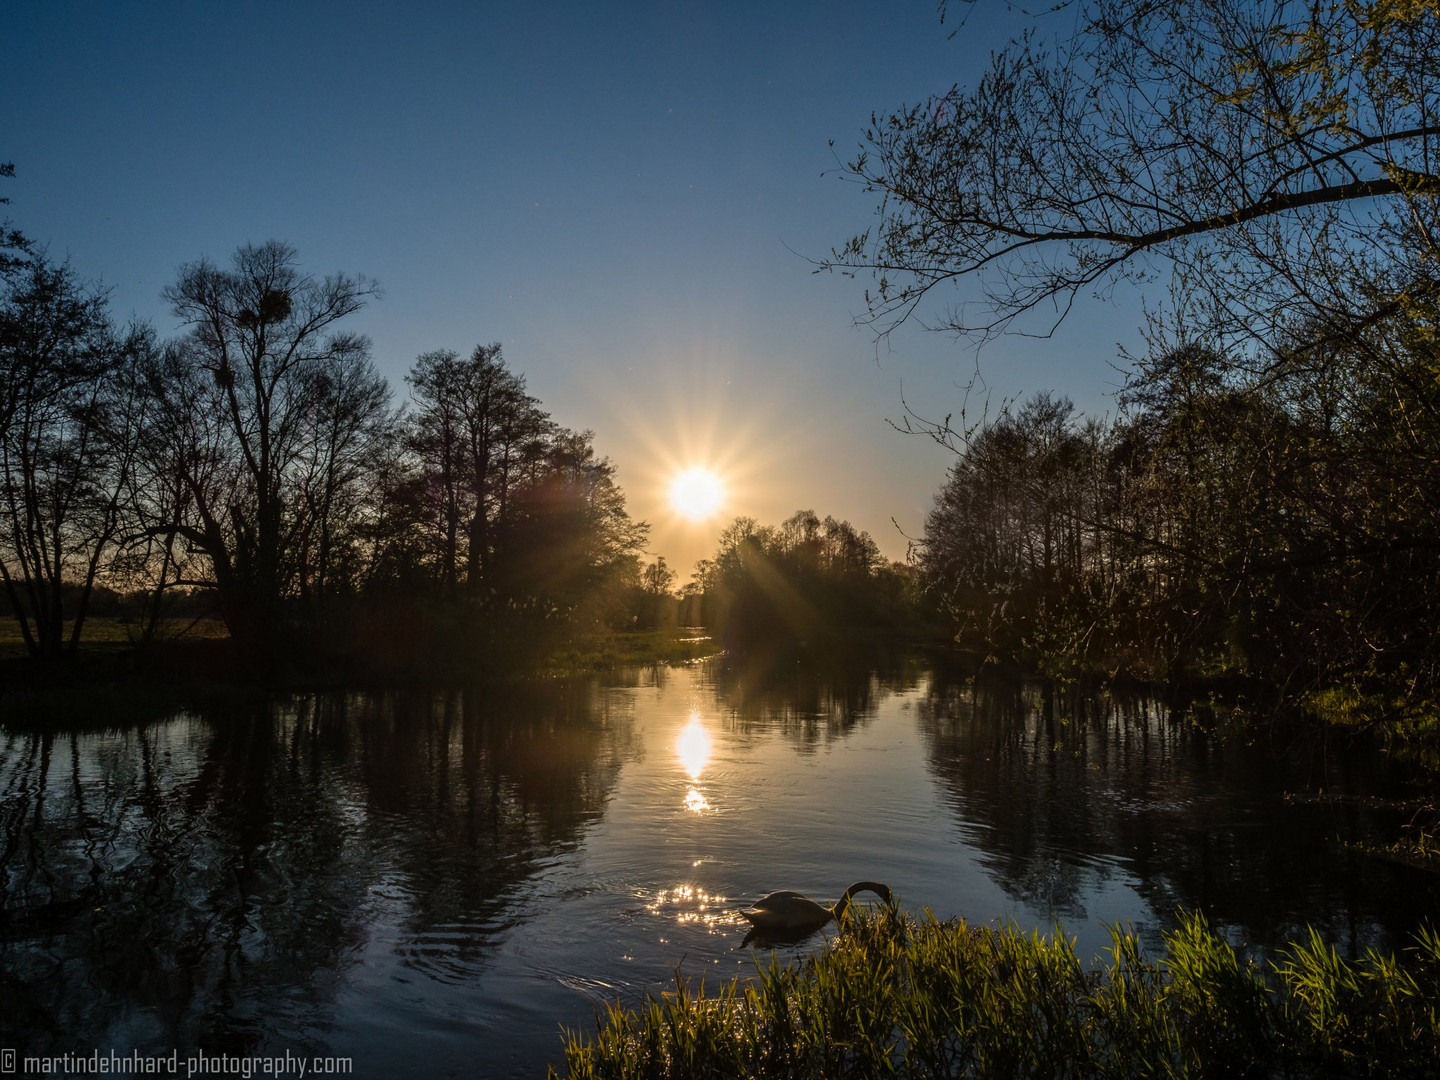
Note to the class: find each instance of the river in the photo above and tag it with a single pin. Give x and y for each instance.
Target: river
(433, 883)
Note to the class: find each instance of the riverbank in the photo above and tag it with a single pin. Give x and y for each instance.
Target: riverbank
(114, 679)
(902, 996)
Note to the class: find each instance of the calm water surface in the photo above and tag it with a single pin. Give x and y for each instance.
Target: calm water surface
(432, 884)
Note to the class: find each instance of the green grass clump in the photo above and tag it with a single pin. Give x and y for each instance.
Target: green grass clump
(1419, 842)
(903, 997)
(631, 648)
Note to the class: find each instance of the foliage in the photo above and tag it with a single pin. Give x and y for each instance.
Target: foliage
(1011, 550)
(1266, 503)
(806, 580)
(629, 648)
(479, 437)
(568, 552)
(1217, 527)
(653, 600)
(905, 997)
(1419, 841)
(516, 522)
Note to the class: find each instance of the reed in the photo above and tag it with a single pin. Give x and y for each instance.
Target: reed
(897, 996)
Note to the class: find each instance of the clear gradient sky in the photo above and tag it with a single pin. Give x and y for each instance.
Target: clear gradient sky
(622, 195)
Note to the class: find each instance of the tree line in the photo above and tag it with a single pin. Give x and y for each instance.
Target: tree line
(259, 460)
(807, 580)
(1282, 530)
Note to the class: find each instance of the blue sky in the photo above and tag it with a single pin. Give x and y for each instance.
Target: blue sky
(624, 196)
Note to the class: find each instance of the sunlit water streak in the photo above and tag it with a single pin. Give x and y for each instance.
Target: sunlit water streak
(433, 884)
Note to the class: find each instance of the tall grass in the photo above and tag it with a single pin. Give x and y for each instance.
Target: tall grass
(903, 997)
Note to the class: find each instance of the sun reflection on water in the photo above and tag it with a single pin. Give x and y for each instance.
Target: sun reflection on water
(694, 746)
(692, 904)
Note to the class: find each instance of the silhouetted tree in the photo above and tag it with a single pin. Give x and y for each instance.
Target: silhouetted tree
(352, 433)
(1280, 157)
(655, 603)
(479, 436)
(243, 394)
(527, 536)
(1217, 527)
(657, 578)
(1013, 533)
(68, 421)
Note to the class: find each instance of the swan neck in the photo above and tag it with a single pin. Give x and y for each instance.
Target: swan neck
(843, 904)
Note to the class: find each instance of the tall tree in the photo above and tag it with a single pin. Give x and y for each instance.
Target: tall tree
(244, 390)
(658, 579)
(1015, 530)
(480, 436)
(154, 559)
(654, 600)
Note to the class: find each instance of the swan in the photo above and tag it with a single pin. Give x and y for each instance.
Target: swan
(787, 910)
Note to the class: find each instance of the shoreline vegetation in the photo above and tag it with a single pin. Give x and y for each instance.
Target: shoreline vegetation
(907, 996)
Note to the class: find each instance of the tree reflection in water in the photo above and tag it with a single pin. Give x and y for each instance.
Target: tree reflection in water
(1067, 791)
(207, 882)
(812, 699)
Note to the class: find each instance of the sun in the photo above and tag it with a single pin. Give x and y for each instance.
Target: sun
(696, 493)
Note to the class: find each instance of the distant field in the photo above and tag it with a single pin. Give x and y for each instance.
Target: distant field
(108, 632)
(671, 645)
